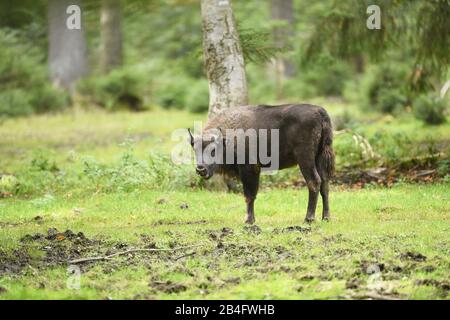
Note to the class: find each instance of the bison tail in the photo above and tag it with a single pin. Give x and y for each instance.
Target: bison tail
(325, 156)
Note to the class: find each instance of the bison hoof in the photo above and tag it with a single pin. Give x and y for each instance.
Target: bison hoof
(249, 221)
(326, 219)
(309, 220)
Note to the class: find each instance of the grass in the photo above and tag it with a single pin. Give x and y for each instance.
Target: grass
(404, 231)
(382, 242)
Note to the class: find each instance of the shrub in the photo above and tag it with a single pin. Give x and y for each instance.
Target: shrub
(172, 93)
(8, 184)
(47, 98)
(430, 108)
(384, 87)
(198, 97)
(342, 120)
(15, 102)
(130, 173)
(120, 89)
(24, 85)
(390, 100)
(323, 80)
(21, 102)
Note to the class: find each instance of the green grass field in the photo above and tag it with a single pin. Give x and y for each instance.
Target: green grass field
(382, 243)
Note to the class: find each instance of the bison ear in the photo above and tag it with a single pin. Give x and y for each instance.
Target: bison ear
(191, 137)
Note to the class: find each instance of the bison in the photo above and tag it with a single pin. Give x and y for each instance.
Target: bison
(300, 134)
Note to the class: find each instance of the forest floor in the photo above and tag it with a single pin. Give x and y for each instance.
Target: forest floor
(381, 244)
(385, 241)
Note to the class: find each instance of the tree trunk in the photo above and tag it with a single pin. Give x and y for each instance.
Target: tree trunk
(223, 59)
(283, 11)
(67, 47)
(111, 34)
(358, 60)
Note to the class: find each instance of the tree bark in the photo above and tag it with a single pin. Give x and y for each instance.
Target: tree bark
(111, 34)
(223, 59)
(283, 11)
(67, 47)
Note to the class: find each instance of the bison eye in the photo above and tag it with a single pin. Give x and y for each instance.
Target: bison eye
(213, 153)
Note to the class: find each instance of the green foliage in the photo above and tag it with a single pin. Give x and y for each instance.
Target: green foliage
(131, 173)
(257, 46)
(393, 147)
(172, 91)
(343, 120)
(350, 152)
(8, 184)
(46, 98)
(120, 89)
(15, 102)
(390, 100)
(325, 80)
(384, 87)
(430, 108)
(432, 26)
(128, 174)
(198, 97)
(418, 28)
(24, 85)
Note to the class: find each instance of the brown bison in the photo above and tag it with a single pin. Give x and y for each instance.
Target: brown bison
(295, 134)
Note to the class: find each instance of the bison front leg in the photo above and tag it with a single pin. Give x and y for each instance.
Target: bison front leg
(249, 175)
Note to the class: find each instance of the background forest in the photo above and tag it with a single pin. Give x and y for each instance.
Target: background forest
(324, 49)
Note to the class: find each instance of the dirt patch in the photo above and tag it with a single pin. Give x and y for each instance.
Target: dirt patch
(57, 248)
(292, 229)
(219, 234)
(15, 261)
(336, 238)
(162, 201)
(178, 223)
(414, 170)
(414, 256)
(440, 284)
(54, 235)
(353, 283)
(167, 286)
(9, 224)
(369, 268)
(252, 229)
(232, 280)
(184, 206)
(38, 219)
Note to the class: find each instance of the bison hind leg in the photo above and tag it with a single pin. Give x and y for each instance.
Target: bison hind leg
(313, 182)
(324, 189)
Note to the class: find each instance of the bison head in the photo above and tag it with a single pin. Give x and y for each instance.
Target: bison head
(208, 148)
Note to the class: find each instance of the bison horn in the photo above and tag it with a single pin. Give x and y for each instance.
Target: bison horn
(192, 137)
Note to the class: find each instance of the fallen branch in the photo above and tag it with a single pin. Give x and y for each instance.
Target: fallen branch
(108, 257)
(185, 255)
(366, 296)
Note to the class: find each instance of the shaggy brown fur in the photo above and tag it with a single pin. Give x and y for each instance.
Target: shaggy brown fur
(305, 139)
